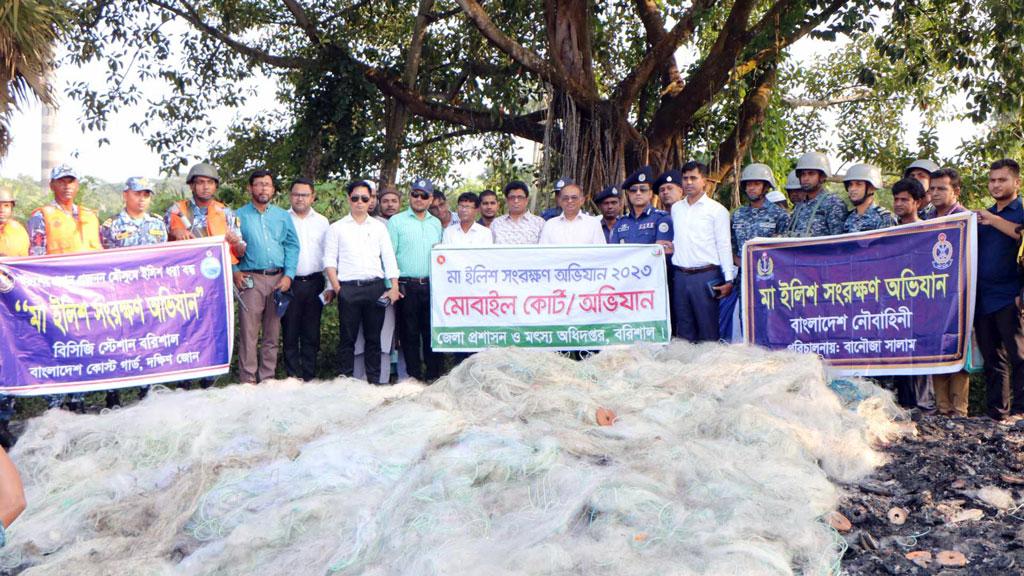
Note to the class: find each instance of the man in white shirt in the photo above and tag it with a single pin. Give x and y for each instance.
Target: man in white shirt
(358, 256)
(468, 232)
(572, 226)
(301, 322)
(702, 257)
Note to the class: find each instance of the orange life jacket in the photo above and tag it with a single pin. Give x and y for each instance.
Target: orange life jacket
(216, 220)
(13, 239)
(66, 235)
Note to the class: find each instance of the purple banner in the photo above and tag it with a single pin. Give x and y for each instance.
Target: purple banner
(893, 301)
(116, 318)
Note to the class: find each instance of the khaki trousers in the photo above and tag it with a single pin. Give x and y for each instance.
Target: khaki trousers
(258, 311)
(951, 392)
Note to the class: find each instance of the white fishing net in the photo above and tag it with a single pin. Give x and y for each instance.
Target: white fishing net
(721, 461)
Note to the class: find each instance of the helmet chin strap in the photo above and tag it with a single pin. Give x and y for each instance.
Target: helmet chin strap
(863, 199)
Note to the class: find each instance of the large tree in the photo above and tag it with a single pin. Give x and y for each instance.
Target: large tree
(603, 85)
(27, 32)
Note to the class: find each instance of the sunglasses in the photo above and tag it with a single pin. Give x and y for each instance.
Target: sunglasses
(359, 198)
(418, 194)
(640, 189)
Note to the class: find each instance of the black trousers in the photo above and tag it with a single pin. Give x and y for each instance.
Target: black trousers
(414, 331)
(696, 310)
(300, 327)
(1001, 339)
(357, 306)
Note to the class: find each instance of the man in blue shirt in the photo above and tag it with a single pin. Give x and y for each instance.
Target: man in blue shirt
(997, 318)
(263, 276)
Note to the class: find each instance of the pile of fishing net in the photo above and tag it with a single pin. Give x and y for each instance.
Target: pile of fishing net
(722, 460)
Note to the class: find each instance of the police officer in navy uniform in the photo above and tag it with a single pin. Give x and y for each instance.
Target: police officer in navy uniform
(642, 224)
(609, 203)
(554, 211)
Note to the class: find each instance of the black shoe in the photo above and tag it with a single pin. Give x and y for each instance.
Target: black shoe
(7, 439)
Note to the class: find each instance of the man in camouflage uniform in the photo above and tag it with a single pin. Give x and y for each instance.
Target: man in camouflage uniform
(921, 170)
(823, 213)
(861, 182)
(794, 189)
(134, 226)
(760, 218)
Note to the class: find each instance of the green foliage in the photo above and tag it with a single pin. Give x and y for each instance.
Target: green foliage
(28, 29)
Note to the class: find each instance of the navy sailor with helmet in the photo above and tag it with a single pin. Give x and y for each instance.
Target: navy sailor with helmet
(642, 224)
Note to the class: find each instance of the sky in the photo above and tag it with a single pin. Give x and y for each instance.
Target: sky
(127, 154)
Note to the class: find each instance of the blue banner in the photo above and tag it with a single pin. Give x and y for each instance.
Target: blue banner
(892, 301)
(116, 318)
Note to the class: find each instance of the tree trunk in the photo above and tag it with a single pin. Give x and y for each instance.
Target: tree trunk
(398, 113)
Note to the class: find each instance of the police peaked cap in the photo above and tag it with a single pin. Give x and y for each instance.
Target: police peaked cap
(669, 177)
(606, 193)
(642, 175)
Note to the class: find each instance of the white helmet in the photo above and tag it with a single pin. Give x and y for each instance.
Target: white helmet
(792, 182)
(866, 172)
(921, 164)
(814, 161)
(761, 172)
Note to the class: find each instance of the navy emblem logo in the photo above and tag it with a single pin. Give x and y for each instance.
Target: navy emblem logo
(765, 267)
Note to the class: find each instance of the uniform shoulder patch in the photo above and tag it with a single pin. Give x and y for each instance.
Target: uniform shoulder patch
(663, 227)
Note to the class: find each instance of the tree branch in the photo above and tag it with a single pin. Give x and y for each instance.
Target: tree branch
(859, 96)
(441, 138)
(750, 116)
(525, 126)
(663, 45)
(762, 55)
(527, 58)
(302, 19)
(190, 15)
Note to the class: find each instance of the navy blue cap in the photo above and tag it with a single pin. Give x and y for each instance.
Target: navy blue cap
(606, 193)
(563, 182)
(642, 175)
(669, 177)
(423, 184)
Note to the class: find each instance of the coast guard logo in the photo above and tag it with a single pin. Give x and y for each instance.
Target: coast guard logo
(6, 282)
(668, 178)
(942, 253)
(765, 267)
(210, 266)
(663, 227)
(641, 177)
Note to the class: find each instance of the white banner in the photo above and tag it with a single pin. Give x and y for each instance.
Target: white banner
(584, 297)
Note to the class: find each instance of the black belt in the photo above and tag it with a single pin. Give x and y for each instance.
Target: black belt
(699, 270)
(357, 283)
(421, 281)
(267, 272)
(308, 277)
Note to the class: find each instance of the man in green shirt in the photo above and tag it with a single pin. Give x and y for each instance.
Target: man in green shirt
(413, 233)
(261, 276)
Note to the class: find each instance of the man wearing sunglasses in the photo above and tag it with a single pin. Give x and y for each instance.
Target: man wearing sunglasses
(413, 233)
(519, 226)
(643, 224)
(358, 256)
